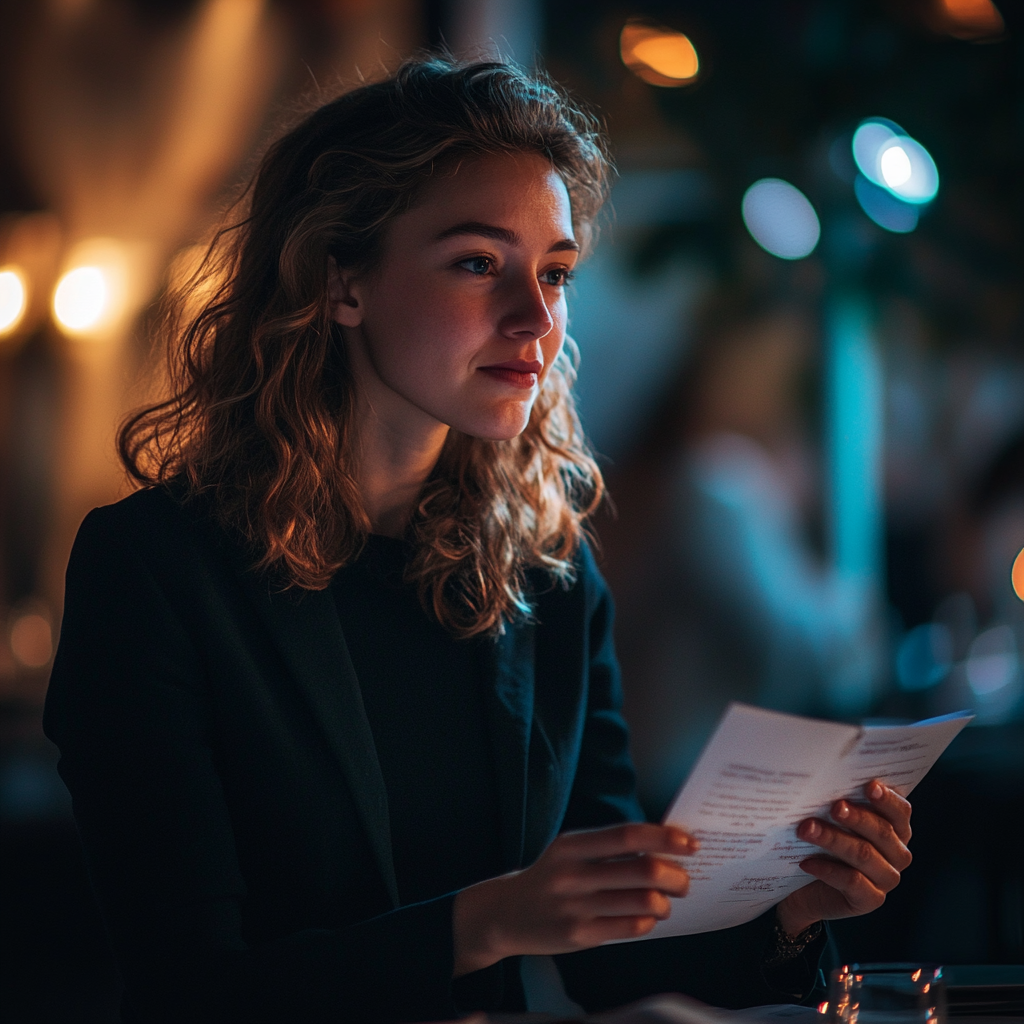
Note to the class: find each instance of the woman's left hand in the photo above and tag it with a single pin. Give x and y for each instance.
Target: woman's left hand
(866, 854)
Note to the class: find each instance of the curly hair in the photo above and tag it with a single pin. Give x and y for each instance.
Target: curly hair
(260, 411)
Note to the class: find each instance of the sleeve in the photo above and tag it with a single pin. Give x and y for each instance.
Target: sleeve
(129, 711)
(724, 968)
(604, 789)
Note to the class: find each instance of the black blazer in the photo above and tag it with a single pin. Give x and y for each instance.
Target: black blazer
(233, 812)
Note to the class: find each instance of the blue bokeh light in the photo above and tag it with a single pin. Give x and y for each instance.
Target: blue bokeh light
(781, 219)
(890, 159)
(885, 209)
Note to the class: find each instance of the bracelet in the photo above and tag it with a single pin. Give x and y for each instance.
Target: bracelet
(784, 948)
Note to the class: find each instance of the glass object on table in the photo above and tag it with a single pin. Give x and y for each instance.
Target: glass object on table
(887, 994)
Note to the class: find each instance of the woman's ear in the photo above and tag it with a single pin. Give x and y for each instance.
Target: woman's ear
(343, 295)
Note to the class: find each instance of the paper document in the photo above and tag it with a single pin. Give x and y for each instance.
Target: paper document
(759, 776)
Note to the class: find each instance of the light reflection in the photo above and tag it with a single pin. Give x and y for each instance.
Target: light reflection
(659, 56)
(12, 299)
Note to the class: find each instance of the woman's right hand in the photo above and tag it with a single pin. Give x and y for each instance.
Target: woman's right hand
(584, 889)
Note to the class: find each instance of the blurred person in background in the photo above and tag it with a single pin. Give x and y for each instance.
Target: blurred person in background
(732, 601)
(336, 695)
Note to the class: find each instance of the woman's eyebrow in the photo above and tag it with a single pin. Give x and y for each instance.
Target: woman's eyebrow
(506, 235)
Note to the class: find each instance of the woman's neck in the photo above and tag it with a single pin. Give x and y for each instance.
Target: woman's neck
(394, 464)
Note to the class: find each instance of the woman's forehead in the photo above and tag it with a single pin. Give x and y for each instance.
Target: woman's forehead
(508, 186)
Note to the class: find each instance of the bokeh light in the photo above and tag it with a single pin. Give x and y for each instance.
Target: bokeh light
(972, 19)
(94, 296)
(31, 639)
(992, 661)
(924, 657)
(885, 209)
(869, 140)
(659, 56)
(781, 219)
(13, 295)
(81, 300)
(921, 183)
(895, 166)
(1017, 575)
(891, 159)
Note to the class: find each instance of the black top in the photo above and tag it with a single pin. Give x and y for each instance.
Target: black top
(421, 689)
(234, 812)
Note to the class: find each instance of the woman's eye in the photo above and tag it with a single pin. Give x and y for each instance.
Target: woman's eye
(558, 277)
(479, 265)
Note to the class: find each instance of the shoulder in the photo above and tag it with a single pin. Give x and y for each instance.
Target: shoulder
(152, 508)
(154, 526)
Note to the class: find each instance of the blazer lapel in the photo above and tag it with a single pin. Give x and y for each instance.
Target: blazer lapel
(508, 692)
(307, 631)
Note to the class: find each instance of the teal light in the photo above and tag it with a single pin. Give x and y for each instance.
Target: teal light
(889, 158)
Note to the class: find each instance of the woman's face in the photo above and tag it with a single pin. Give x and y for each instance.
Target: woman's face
(462, 319)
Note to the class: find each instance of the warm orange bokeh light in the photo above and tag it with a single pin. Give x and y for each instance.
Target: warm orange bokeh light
(972, 19)
(671, 56)
(659, 56)
(31, 640)
(1017, 575)
(12, 298)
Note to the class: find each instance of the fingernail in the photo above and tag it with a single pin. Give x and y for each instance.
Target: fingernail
(843, 811)
(876, 791)
(812, 830)
(685, 843)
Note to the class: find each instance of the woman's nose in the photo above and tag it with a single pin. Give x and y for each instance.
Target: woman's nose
(527, 314)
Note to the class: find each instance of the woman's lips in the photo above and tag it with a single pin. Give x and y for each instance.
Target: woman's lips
(517, 378)
(520, 373)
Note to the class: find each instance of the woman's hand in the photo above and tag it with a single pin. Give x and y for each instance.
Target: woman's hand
(865, 857)
(586, 888)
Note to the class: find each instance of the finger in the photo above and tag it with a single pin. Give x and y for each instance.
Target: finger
(604, 929)
(622, 840)
(891, 806)
(643, 872)
(860, 895)
(855, 851)
(879, 831)
(619, 903)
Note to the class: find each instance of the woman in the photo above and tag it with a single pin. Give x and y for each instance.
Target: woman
(336, 691)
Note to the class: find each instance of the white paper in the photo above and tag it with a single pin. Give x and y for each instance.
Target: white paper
(760, 775)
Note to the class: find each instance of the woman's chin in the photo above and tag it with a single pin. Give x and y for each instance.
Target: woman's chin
(495, 425)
